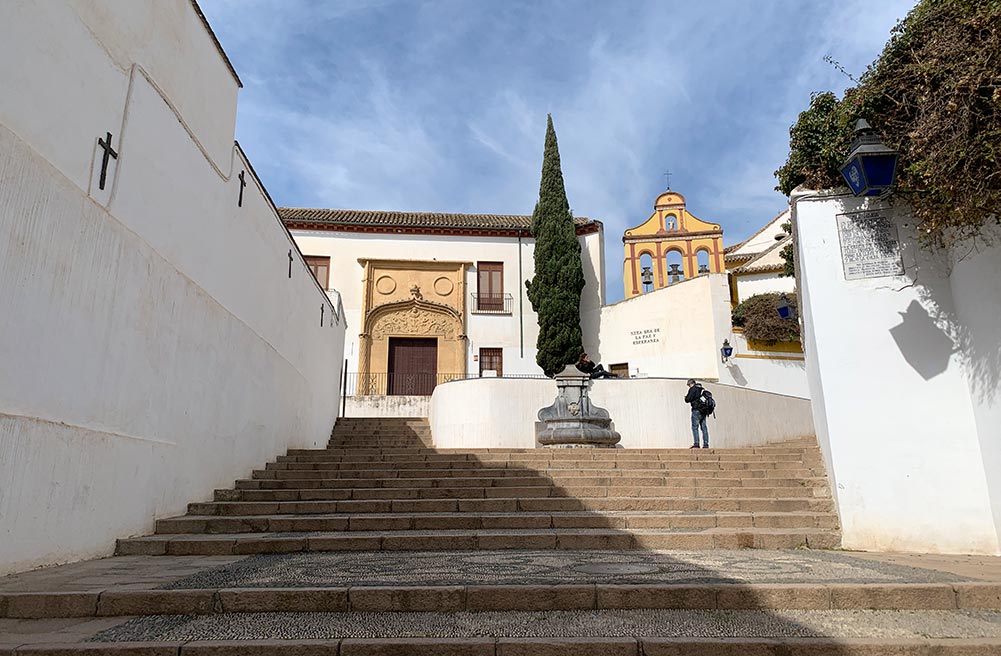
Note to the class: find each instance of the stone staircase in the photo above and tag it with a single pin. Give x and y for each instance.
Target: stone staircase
(381, 485)
(382, 545)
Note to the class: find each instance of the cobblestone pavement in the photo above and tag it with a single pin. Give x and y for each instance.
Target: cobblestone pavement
(628, 623)
(554, 567)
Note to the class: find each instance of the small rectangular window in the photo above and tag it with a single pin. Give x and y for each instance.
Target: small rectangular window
(320, 266)
(492, 359)
(621, 369)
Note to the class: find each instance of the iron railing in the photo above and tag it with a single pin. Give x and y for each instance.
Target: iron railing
(492, 304)
(414, 384)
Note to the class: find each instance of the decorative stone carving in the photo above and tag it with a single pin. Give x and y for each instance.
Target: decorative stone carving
(414, 321)
(385, 285)
(443, 286)
(415, 291)
(572, 420)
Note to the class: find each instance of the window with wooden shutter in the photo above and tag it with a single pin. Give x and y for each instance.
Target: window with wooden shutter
(320, 266)
(490, 286)
(492, 359)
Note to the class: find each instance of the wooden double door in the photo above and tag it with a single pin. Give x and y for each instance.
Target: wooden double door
(413, 365)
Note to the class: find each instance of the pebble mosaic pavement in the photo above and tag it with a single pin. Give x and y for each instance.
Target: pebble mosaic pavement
(553, 568)
(622, 623)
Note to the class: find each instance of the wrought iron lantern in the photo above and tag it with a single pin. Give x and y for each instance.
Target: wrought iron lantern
(726, 351)
(871, 166)
(785, 308)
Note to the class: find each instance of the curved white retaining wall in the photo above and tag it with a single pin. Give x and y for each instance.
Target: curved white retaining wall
(647, 412)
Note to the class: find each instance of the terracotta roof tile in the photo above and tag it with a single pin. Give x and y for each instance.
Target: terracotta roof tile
(389, 219)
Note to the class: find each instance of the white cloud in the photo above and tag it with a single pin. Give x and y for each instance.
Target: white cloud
(442, 105)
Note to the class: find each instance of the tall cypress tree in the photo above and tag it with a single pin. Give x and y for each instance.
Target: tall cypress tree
(559, 277)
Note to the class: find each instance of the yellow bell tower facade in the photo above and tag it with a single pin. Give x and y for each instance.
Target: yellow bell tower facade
(679, 245)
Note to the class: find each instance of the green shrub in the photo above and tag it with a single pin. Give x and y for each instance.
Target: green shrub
(759, 317)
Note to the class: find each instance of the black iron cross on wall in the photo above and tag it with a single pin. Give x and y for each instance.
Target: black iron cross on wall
(243, 184)
(108, 152)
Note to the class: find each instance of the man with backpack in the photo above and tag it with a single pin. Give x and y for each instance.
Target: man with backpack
(703, 405)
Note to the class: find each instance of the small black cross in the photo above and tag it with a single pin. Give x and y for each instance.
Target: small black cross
(243, 184)
(108, 152)
(667, 175)
(290, 263)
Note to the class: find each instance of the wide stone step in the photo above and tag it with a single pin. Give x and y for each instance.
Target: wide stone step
(477, 598)
(633, 465)
(544, 491)
(467, 540)
(555, 453)
(477, 521)
(527, 479)
(566, 474)
(561, 455)
(311, 503)
(218, 637)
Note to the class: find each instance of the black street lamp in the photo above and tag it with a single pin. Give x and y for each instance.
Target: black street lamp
(726, 351)
(871, 166)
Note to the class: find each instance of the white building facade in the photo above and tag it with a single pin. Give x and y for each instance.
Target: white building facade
(462, 276)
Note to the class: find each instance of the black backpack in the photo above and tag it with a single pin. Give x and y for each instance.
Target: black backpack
(706, 403)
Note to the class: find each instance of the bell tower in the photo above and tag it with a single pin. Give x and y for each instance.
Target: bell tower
(670, 247)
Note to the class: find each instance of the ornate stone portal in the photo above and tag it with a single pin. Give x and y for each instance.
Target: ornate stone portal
(411, 298)
(572, 420)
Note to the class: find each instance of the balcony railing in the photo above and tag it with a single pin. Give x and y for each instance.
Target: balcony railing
(419, 384)
(492, 303)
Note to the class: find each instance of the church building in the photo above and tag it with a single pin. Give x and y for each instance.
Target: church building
(430, 297)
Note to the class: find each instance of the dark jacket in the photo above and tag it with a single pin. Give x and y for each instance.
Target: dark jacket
(586, 367)
(694, 392)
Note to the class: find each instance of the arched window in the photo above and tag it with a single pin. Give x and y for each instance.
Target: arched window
(671, 222)
(675, 266)
(702, 257)
(646, 273)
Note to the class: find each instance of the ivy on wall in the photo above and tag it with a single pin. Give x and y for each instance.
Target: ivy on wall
(759, 317)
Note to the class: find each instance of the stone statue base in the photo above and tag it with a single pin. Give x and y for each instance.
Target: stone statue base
(572, 421)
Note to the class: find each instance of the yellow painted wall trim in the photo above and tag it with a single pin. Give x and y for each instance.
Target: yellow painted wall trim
(752, 356)
(777, 347)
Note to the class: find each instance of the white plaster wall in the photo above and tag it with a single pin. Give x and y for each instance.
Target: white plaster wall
(515, 333)
(766, 238)
(648, 413)
(55, 52)
(893, 407)
(155, 345)
(685, 316)
(387, 406)
(974, 282)
(763, 283)
(782, 373)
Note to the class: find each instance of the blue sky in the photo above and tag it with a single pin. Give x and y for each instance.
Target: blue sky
(441, 105)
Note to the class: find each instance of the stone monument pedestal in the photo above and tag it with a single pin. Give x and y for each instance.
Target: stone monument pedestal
(572, 420)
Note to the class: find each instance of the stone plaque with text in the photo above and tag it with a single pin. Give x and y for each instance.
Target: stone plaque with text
(869, 245)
